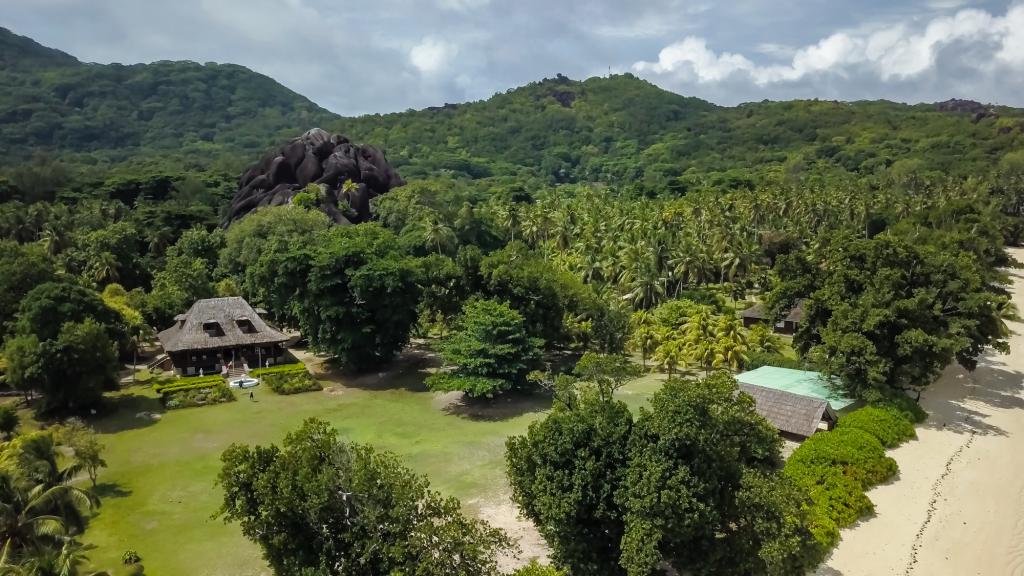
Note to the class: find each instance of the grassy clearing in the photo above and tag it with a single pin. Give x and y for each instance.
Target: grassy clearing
(158, 493)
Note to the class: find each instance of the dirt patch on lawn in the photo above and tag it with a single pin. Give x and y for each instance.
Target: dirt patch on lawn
(503, 514)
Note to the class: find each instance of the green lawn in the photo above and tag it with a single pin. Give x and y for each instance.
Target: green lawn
(158, 492)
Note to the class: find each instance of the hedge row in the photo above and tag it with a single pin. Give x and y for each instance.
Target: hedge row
(837, 467)
(886, 423)
(189, 383)
(292, 382)
(759, 359)
(198, 396)
(279, 369)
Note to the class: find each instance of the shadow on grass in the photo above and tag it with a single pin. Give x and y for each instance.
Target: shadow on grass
(505, 407)
(406, 372)
(127, 411)
(107, 490)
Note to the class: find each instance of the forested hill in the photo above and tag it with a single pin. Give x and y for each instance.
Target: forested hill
(625, 130)
(54, 103)
(96, 122)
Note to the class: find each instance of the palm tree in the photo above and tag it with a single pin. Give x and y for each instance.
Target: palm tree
(761, 339)
(729, 354)
(54, 239)
(670, 354)
(347, 187)
(644, 337)
(508, 217)
(104, 269)
(438, 233)
(32, 459)
(40, 516)
(51, 561)
(160, 239)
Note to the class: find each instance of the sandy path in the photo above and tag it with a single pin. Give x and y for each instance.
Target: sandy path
(957, 506)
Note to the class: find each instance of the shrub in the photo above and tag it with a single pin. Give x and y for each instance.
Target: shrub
(536, 569)
(279, 369)
(9, 419)
(131, 557)
(473, 386)
(197, 396)
(292, 382)
(904, 405)
(890, 426)
(856, 453)
(835, 468)
(759, 359)
(189, 383)
(835, 496)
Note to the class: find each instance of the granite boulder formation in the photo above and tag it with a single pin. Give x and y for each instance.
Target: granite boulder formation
(347, 176)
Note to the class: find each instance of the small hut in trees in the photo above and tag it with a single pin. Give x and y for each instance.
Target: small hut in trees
(217, 333)
(757, 314)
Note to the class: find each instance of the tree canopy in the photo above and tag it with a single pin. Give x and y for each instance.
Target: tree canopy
(319, 505)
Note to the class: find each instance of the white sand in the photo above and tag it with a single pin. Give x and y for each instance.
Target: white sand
(957, 506)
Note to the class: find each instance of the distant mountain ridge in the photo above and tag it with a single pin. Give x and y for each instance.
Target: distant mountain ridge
(52, 101)
(617, 129)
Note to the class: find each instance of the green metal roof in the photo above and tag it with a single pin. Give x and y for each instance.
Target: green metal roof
(800, 382)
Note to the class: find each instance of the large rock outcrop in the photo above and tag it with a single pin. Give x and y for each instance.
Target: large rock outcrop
(976, 110)
(317, 157)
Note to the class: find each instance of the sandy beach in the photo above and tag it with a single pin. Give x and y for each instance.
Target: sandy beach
(957, 505)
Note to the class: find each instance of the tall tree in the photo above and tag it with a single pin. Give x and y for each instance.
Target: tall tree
(890, 313)
(318, 505)
(693, 492)
(566, 471)
(360, 297)
(489, 349)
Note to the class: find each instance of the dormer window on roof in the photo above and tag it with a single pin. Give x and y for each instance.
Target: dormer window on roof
(212, 328)
(245, 325)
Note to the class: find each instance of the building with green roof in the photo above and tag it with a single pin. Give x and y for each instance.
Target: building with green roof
(802, 382)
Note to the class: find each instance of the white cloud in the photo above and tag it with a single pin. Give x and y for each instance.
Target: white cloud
(900, 52)
(432, 55)
(691, 58)
(1012, 50)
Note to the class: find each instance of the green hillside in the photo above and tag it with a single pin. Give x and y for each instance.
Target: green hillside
(93, 113)
(98, 121)
(623, 130)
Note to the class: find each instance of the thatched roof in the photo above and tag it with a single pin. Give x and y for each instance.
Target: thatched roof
(188, 332)
(758, 312)
(792, 413)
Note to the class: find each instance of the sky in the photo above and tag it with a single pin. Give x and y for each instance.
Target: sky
(391, 55)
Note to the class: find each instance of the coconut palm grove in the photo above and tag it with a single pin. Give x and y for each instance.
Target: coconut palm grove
(580, 327)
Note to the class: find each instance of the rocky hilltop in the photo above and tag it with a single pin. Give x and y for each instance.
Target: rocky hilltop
(348, 175)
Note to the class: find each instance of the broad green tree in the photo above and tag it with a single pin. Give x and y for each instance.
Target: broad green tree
(565, 473)
(348, 510)
(71, 371)
(359, 299)
(489, 351)
(694, 492)
(891, 313)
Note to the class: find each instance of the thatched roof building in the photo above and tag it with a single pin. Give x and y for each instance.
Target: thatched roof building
(218, 331)
(794, 415)
(758, 314)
